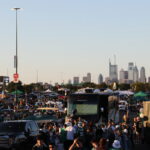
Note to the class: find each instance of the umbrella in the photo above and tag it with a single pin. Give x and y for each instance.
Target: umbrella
(140, 94)
(18, 92)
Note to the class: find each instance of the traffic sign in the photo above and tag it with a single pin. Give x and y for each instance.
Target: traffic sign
(16, 76)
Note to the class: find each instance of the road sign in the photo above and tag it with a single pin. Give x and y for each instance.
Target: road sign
(16, 76)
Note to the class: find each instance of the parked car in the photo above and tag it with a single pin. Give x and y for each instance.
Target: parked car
(18, 134)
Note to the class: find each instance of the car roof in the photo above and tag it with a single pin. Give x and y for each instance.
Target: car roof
(123, 101)
(19, 121)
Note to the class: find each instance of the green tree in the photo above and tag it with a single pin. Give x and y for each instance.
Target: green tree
(102, 86)
(13, 86)
(28, 88)
(88, 84)
(124, 86)
(137, 87)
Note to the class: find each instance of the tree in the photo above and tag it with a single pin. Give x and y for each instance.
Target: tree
(15, 86)
(28, 88)
(124, 86)
(89, 84)
(138, 87)
(102, 86)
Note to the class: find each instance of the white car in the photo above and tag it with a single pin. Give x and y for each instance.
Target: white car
(123, 105)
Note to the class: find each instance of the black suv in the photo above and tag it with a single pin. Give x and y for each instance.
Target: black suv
(17, 134)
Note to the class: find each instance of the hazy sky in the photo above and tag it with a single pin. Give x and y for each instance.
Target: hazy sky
(66, 38)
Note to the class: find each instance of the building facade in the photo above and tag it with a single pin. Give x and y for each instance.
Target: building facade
(75, 80)
(135, 74)
(142, 75)
(130, 72)
(123, 76)
(113, 72)
(100, 79)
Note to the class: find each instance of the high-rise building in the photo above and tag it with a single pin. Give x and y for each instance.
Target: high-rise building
(142, 75)
(85, 79)
(100, 79)
(75, 80)
(130, 72)
(88, 77)
(123, 76)
(135, 74)
(148, 79)
(113, 72)
(107, 80)
(69, 81)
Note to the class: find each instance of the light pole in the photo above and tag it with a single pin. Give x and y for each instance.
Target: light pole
(16, 56)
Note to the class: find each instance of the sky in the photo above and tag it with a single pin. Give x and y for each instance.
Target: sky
(59, 39)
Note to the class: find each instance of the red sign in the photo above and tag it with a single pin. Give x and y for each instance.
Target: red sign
(16, 76)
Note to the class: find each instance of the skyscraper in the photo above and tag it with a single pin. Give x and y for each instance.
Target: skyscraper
(75, 80)
(135, 74)
(69, 81)
(88, 77)
(100, 79)
(142, 75)
(130, 72)
(123, 76)
(85, 79)
(113, 72)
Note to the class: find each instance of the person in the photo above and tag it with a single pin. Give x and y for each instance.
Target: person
(77, 145)
(102, 144)
(138, 128)
(116, 145)
(40, 145)
(52, 147)
(70, 135)
(94, 144)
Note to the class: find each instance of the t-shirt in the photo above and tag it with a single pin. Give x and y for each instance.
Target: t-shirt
(63, 134)
(70, 133)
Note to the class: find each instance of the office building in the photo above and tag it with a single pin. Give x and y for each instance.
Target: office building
(100, 79)
(75, 80)
(69, 81)
(123, 76)
(88, 77)
(113, 72)
(85, 79)
(135, 74)
(130, 72)
(142, 75)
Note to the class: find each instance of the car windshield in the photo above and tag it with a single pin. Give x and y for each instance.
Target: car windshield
(12, 127)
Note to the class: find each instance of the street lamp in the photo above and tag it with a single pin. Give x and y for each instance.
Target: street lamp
(16, 56)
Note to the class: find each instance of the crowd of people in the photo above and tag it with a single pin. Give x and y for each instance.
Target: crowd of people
(79, 134)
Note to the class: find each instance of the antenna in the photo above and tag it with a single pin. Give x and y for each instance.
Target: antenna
(37, 76)
(114, 59)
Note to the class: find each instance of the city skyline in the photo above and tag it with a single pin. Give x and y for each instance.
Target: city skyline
(65, 39)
